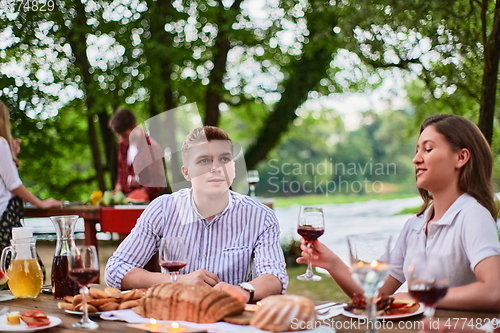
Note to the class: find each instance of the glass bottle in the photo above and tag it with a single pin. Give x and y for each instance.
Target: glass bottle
(25, 274)
(62, 285)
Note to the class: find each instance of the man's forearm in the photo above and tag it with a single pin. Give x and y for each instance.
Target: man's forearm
(141, 278)
(266, 285)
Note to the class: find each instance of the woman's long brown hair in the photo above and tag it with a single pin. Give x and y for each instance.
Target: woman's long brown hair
(5, 128)
(476, 175)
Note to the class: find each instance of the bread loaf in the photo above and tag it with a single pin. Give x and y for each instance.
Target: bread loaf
(178, 301)
(283, 313)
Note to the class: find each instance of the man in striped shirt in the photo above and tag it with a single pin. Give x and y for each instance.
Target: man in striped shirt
(231, 238)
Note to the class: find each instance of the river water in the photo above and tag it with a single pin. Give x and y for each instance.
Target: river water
(347, 219)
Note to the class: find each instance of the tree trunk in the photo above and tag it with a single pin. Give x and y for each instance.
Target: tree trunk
(490, 77)
(77, 40)
(215, 88)
(309, 70)
(108, 140)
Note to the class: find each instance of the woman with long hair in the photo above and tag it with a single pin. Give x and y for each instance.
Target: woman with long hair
(453, 168)
(12, 190)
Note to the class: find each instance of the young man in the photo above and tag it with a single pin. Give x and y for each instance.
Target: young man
(122, 124)
(233, 241)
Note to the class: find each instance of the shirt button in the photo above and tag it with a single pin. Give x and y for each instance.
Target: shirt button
(207, 227)
(204, 256)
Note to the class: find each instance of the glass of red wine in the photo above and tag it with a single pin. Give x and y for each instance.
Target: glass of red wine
(428, 280)
(311, 225)
(173, 255)
(84, 269)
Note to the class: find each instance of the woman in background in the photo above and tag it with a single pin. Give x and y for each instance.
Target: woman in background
(12, 190)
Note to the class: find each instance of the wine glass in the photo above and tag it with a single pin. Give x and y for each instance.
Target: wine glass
(369, 256)
(253, 179)
(173, 255)
(311, 225)
(428, 280)
(84, 269)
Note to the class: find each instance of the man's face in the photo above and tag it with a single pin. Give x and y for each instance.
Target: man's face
(209, 166)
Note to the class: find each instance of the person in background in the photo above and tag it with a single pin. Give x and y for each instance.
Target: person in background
(12, 190)
(122, 123)
(453, 168)
(233, 240)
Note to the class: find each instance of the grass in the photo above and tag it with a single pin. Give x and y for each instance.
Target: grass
(324, 290)
(410, 210)
(307, 200)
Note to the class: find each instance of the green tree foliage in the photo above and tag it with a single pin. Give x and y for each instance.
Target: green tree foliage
(65, 70)
(318, 156)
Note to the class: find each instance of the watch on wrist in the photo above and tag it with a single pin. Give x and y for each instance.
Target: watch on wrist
(248, 287)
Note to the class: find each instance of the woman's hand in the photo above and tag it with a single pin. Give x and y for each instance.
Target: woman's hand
(15, 147)
(322, 256)
(49, 203)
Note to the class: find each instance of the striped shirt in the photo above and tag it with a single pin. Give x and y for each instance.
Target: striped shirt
(237, 245)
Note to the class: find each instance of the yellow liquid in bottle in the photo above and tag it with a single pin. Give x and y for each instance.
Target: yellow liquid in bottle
(25, 278)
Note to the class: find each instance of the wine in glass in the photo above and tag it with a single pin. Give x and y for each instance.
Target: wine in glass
(253, 179)
(369, 256)
(84, 269)
(173, 255)
(311, 225)
(428, 280)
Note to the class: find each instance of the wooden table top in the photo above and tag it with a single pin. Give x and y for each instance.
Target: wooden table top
(48, 304)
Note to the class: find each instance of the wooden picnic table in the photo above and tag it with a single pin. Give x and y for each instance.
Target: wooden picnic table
(342, 324)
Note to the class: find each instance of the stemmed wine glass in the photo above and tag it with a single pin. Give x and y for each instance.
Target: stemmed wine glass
(84, 269)
(428, 281)
(253, 179)
(311, 225)
(173, 255)
(369, 256)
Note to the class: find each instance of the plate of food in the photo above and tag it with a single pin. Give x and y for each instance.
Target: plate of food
(99, 301)
(30, 321)
(387, 308)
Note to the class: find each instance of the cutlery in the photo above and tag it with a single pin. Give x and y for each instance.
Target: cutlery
(325, 310)
(326, 305)
(4, 310)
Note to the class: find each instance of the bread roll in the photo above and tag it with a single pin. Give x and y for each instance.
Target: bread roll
(283, 313)
(113, 292)
(97, 293)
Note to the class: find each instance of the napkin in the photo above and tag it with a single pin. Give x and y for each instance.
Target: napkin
(131, 317)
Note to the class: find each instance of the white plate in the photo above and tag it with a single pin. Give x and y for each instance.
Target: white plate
(420, 310)
(91, 314)
(6, 297)
(23, 327)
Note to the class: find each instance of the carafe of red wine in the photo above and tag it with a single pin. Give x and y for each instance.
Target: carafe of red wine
(62, 285)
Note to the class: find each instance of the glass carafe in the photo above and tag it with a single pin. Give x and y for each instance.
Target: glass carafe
(25, 274)
(62, 285)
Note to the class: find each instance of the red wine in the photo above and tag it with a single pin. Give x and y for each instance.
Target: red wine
(61, 285)
(84, 276)
(310, 233)
(173, 266)
(428, 293)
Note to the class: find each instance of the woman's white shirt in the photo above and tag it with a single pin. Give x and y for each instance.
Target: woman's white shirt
(9, 177)
(465, 235)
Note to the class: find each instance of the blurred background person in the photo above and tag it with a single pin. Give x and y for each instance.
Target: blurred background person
(12, 190)
(131, 184)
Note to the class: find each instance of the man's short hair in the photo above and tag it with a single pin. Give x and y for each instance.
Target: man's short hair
(122, 120)
(203, 135)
